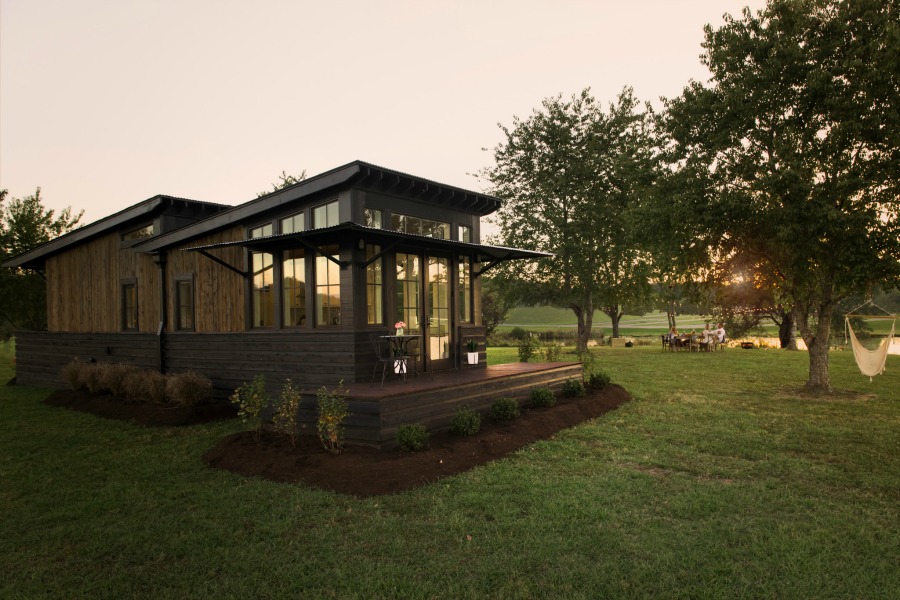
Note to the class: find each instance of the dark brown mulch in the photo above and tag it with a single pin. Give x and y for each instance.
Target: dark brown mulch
(152, 415)
(363, 472)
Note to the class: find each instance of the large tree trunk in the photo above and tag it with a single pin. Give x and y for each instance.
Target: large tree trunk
(585, 316)
(615, 315)
(785, 329)
(817, 342)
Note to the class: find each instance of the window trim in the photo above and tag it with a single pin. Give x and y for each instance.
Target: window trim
(178, 280)
(129, 282)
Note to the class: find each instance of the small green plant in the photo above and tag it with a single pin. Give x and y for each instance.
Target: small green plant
(542, 397)
(573, 388)
(285, 419)
(587, 359)
(598, 380)
(188, 389)
(552, 352)
(471, 345)
(465, 422)
(412, 438)
(332, 413)
(527, 347)
(504, 409)
(251, 399)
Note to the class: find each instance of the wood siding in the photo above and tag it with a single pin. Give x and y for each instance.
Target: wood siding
(219, 293)
(84, 287)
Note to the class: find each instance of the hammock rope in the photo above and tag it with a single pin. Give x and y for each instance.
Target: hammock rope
(870, 362)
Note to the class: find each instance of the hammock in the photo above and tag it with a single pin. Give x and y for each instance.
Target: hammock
(870, 362)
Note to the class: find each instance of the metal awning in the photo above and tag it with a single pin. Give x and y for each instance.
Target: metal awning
(313, 239)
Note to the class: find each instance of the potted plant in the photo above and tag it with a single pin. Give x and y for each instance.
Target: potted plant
(472, 352)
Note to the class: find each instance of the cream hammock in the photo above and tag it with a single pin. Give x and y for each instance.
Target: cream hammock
(870, 362)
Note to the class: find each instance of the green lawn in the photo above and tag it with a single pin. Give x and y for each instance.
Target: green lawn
(717, 481)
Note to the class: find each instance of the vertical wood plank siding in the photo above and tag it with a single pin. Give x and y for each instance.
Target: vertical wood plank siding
(219, 293)
(83, 287)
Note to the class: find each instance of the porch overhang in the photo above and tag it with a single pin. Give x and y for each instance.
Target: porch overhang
(356, 234)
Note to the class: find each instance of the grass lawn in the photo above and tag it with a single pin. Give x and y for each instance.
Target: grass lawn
(717, 481)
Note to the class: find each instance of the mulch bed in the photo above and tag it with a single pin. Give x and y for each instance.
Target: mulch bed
(363, 472)
(358, 471)
(150, 415)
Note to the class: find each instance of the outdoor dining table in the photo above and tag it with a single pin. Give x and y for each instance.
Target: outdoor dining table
(398, 345)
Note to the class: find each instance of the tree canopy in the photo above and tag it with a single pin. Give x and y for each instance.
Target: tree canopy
(568, 174)
(284, 180)
(24, 225)
(790, 158)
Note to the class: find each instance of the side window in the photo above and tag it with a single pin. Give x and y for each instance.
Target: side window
(184, 303)
(294, 223)
(373, 218)
(262, 231)
(129, 305)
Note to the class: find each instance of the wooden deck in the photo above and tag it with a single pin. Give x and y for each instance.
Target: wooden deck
(432, 399)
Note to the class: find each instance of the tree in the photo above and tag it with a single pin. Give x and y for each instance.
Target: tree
(494, 307)
(568, 175)
(791, 156)
(24, 225)
(284, 180)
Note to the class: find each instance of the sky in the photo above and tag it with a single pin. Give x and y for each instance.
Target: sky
(105, 103)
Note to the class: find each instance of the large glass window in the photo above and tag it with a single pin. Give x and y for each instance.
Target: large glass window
(263, 297)
(417, 226)
(326, 215)
(294, 223)
(262, 231)
(373, 218)
(184, 300)
(293, 288)
(407, 302)
(129, 307)
(464, 290)
(328, 288)
(374, 288)
(141, 233)
(465, 233)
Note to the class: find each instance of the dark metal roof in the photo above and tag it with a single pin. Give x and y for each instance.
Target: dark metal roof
(325, 235)
(35, 258)
(355, 174)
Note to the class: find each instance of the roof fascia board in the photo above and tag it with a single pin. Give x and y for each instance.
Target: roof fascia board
(88, 231)
(242, 212)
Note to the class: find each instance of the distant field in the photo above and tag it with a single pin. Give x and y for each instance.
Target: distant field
(546, 318)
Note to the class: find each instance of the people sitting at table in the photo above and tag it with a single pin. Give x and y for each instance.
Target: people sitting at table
(671, 338)
(720, 333)
(708, 336)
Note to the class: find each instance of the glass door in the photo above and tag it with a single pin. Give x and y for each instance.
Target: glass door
(438, 323)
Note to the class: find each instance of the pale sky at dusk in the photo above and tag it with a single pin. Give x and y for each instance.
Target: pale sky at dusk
(105, 103)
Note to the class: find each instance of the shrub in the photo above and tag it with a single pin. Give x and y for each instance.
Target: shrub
(113, 377)
(135, 385)
(573, 388)
(465, 422)
(251, 399)
(285, 419)
(527, 347)
(504, 409)
(598, 380)
(74, 374)
(155, 384)
(94, 376)
(542, 397)
(552, 352)
(518, 333)
(332, 413)
(188, 389)
(412, 437)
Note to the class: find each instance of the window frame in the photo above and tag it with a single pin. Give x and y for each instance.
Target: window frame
(125, 284)
(178, 281)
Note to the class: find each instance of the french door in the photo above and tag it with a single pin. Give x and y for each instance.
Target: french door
(423, 304)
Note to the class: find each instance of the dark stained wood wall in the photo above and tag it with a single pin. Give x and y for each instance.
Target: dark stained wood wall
(220, 294)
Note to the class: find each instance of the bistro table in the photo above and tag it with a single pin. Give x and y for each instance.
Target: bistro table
(398, 346)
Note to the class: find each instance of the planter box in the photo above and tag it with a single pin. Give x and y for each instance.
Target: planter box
(472, 358)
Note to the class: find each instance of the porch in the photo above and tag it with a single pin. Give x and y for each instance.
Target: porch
(431, 399)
